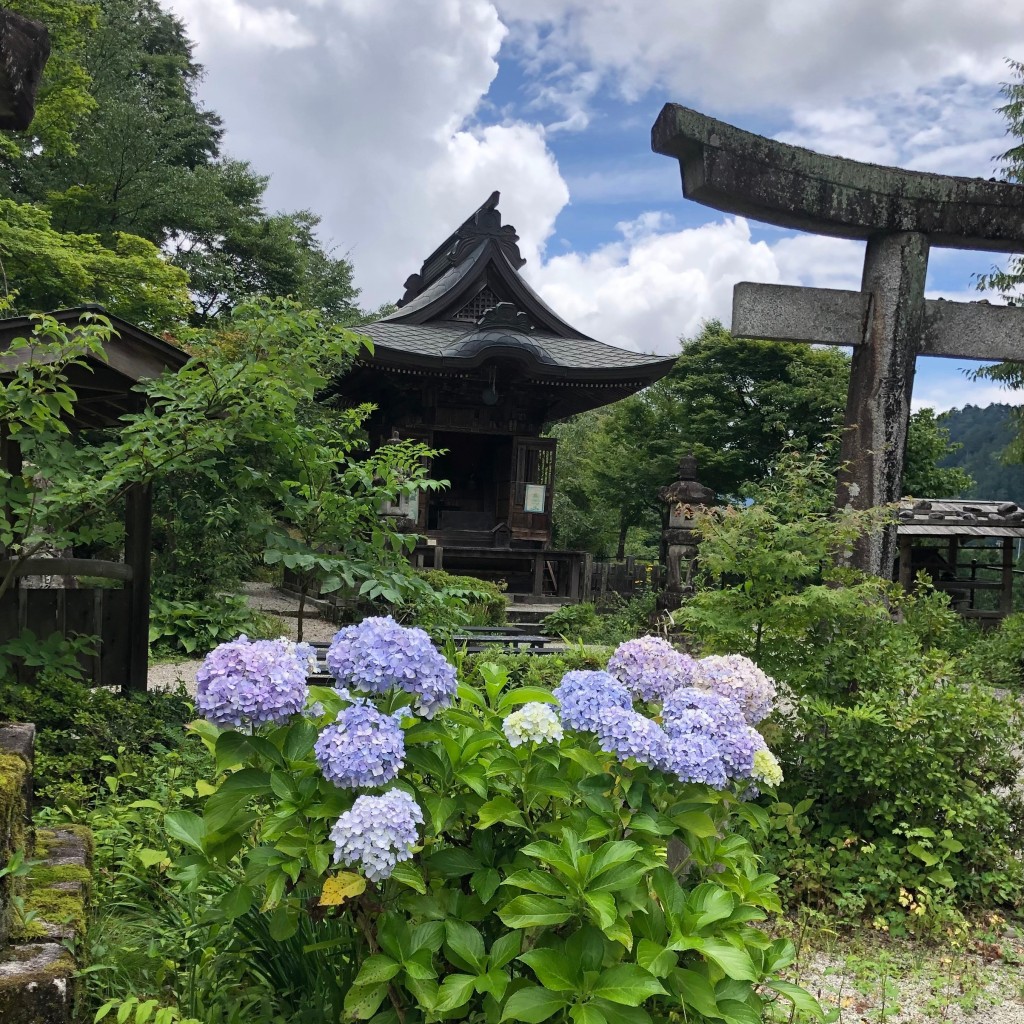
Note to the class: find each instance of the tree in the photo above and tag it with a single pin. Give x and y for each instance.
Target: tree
(1009, 280)
(741, 402)
(928, 445)
(142, 157)
(47, 269)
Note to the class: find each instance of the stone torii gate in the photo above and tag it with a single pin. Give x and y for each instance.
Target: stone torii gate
(901, 214)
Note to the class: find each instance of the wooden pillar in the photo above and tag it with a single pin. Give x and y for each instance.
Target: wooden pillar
(1006, 594)
(906, 574)
(538, 574)
(587, 592)
(137, 554)
(574, 578)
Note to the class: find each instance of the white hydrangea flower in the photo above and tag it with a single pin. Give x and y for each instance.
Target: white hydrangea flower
(533, 723)
(767, 768)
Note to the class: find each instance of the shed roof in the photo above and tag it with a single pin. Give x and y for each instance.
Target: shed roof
(959, 518)
(468, 304)
(105, 388)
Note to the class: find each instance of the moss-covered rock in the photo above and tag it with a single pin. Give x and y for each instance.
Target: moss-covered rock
(36, 984)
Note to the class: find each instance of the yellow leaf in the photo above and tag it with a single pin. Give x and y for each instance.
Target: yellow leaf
(340, 887)
(205, 789)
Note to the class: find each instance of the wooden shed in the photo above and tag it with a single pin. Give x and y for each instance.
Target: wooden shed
(48, 593)
(967, 547)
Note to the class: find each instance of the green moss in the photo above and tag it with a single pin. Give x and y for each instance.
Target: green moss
(52, 907)
(44, 874)
(46, 839)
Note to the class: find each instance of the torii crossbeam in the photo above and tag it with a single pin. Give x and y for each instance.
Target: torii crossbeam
(901, 214)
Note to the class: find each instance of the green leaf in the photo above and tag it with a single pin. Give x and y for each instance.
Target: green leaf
(298, 744)
(533, 912)
(610, 854)
(485, 884)
(532, 1005)
(602, 907)
(697, 822)
(587, 1013)
(232, 749)
(409, 875)
(697, 992)
(553, 969)
(801, 999)
(500, 809)
(505, 948)
(628, 984)
(923, 854)
(465, 942)
(732, 1011)
(524, 695)
(187, 828)
(376, 969)
(362, 1001)
(147, 858)
(586, 947)
(655, 958)
(535, 880)
(454, 992)
(453, 863)
(736, 963)
(236, 902)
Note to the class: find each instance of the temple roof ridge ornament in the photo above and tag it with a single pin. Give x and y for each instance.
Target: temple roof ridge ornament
(507, 315)
(483, 225)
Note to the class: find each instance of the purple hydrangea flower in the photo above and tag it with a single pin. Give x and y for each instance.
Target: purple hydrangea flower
(533, 723)
(378, 655)
(739, 679)
(582, 694)
(377, 832)
(696, 757)
(735, 741)
(363, 747)
(251, 682)
(651, 668)
(724, 713)
(630, 734)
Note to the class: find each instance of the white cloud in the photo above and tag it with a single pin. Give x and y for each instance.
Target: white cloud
(243, 25)
(654, 286)
(372, 124)
(940, 395)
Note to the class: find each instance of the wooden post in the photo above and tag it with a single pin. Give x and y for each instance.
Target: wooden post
(906, 574)
(137, 552)
(538, 574)
(587, 592)
(574, 578)
(438, 557)
(1006, 594)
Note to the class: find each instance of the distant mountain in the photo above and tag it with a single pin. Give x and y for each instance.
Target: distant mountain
(984, 433)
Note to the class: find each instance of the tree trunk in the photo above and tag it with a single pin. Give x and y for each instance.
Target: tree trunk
(302, 609)
(620, 552)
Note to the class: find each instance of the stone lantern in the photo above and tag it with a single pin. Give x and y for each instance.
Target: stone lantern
(679, 539)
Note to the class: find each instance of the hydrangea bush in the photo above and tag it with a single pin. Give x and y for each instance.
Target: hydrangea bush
(501, 854)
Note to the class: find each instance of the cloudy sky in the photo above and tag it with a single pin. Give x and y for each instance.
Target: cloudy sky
(394, 119)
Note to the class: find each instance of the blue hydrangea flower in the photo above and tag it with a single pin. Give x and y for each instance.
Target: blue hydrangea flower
(651, 668)
(695, 757)
(582, 694)
(724, 713)
(379, 655)
(739, 679)
(533, 723)
(251, 682)
(377, 833)
(629, 734)
(363, 747)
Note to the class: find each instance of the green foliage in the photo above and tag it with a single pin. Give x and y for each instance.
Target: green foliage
(50, 269)
(928, 445)
(532, 670)
(582, 623)
(195, 627)
(899, 759)
(485, 601)
(81, 732)
(735, 404)
(996, 657)
(984, 434)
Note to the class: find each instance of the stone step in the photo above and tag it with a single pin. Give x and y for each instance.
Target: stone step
(37, 984)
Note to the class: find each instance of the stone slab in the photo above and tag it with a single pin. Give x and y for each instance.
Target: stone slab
(832, 316)
(37, 984)
(739, 172)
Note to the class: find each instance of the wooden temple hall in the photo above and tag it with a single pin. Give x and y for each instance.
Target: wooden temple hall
(475, 363)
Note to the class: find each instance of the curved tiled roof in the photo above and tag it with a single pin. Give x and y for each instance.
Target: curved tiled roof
(481, 258)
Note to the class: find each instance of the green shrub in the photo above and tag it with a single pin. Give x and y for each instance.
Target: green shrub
(196, 627)
(484, 601)
(544, 670)
(997, 655)
(583, 623)
(82, 731)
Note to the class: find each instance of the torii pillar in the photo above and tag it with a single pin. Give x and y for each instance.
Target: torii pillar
(900, 214)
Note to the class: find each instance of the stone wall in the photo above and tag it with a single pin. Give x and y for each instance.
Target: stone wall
(43, 906)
